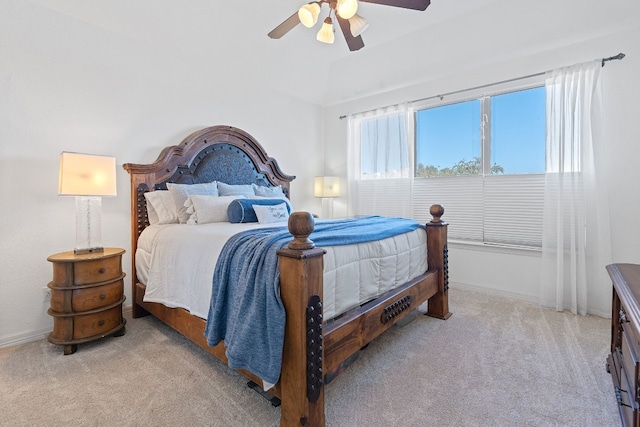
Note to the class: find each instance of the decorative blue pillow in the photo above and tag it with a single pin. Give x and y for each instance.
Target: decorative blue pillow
(241, 210)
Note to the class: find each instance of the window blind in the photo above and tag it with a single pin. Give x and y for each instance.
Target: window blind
(513, 209)
(496, 209)
(386, 197)
(461, 197)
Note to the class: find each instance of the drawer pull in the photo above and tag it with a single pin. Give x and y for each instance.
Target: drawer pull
(101, 323)
(102, 270)
(102, 296)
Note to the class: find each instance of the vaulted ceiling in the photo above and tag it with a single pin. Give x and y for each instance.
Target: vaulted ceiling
(227, 36)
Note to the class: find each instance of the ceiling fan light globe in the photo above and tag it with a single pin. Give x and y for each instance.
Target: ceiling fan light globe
(326, 35)
(357, 24)
(308, 14)
(347, 8)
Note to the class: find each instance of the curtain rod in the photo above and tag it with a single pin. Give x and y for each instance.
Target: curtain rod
(604, 60)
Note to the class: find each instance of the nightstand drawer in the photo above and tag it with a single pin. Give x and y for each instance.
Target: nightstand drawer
(99, 296)
(73, 300)
(89, 271)
(75, 327)
(89, 325)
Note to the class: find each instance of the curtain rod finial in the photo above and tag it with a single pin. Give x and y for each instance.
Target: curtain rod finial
(611, 58)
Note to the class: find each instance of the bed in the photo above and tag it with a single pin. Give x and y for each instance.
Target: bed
(312, 345)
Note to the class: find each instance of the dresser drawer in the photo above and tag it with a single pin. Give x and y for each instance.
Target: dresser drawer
(73, 300)
(629, 349)
(623, 361)
(626, 405)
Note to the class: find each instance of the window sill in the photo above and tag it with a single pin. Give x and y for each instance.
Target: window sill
(496, 248)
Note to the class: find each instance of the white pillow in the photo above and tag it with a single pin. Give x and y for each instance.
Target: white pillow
(208, 209)
(270, 192)
(160, 207)
(181, 193)
(235, 189)
(271, 213)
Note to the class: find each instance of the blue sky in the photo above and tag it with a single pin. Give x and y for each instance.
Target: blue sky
(452, 132)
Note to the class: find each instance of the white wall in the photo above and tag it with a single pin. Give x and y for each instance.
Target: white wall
(68, 85)
(117, 81)
(459, 66)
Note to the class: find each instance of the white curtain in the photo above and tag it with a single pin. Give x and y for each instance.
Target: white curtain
(380, 156)
(576, 236)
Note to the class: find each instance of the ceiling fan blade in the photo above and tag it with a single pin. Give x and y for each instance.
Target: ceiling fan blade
(354, 43)
(407, 4)
(285, 27)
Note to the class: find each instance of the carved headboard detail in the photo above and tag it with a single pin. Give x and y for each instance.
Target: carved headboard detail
(217, 153)
(221, 162)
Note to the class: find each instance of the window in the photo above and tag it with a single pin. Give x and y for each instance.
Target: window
(518, 127)
(384, 151)
(502, 134)
(482, 158)
(448, 140)
(381, 167)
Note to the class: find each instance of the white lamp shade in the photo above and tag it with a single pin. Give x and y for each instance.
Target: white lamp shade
(357, 24)
(87, 175)
(326, 186)
(325, 35)
(308, 14)
(347, 8)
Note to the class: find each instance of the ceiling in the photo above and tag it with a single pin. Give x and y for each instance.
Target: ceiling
(234, 33)
(386, 23)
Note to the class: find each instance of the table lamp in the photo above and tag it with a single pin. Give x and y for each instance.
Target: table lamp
(327, 187)
(88, 177)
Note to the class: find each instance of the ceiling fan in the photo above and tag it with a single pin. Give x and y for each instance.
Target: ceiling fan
(351, 24)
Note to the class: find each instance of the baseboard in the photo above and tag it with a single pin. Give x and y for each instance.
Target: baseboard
(516, 296)
(40, 334)
(23, 338)
(496, 292)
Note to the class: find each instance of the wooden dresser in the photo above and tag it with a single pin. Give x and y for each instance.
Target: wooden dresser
(87, 293)
(622, 363)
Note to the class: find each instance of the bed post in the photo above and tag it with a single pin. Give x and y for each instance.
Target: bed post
(301, 378)
(438, 259)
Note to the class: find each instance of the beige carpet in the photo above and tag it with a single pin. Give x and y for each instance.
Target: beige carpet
(495, 362)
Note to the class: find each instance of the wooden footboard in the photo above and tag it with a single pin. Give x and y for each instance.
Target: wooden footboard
(310, 348)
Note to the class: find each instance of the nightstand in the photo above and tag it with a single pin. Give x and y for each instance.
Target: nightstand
(87, 293)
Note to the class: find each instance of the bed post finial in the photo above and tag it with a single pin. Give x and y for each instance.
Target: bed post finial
(301, 225)
(436, 212)
(438, 259)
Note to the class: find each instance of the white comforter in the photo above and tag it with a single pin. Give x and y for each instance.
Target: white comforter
(176, 262)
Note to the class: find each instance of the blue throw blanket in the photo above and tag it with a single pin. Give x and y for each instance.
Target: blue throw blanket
(246, 310)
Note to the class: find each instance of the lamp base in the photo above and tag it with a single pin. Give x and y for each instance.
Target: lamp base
(88, 225)
(327, 207)
(83, 251)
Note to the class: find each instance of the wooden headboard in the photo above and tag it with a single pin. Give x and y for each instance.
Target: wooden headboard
(217, 153)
